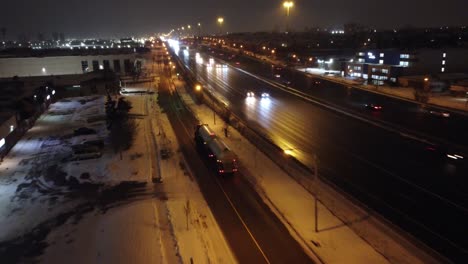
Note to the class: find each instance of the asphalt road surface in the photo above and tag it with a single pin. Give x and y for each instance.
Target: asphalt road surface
(417, 189)
(253, 232)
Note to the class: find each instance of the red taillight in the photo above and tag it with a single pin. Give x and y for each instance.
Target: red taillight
(234, 169)
(221, 171)
(211, 155)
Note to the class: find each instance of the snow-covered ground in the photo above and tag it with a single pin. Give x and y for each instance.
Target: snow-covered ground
(336, 241)
(104, 210)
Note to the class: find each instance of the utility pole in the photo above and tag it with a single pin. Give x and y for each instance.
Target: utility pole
(316, 191)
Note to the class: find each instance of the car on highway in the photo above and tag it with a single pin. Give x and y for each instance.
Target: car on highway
(444, 153)
(250, 94)
(439, 113)
(373, 107)
(265, 95)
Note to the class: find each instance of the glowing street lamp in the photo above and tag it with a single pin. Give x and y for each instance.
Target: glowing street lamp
(288, 5)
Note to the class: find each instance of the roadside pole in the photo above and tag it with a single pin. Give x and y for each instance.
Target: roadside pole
(214, 113)
(316, 192)
(187, 212)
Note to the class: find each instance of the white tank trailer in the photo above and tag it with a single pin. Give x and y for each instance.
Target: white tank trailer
(223, 159)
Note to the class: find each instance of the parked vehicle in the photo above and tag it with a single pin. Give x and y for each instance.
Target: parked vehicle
(97, 143)
(83, 156)
(82, 148)
(84, 131)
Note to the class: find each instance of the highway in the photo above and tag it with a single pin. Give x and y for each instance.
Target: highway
(418, 190)
(253, 232)
(405, 114)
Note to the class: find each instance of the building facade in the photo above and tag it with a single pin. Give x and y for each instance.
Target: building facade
(388, 65)
(8, 125)
(65, 65)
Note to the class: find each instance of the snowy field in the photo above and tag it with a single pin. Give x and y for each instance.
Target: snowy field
(106, 209)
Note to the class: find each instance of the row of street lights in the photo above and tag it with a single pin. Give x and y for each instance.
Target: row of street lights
(220, 20)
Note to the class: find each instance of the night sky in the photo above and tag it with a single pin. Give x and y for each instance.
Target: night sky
(118, 18)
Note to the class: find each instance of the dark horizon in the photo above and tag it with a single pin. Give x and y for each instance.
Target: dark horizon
(115, 19)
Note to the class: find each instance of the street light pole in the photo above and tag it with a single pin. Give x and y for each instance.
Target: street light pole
(220, 22)
(287, 5)
(316, 192)
(289, 152)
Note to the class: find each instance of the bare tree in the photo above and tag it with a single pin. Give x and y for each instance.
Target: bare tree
(40, 36)
(122, 128)
(55, 36)
(3, 30)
